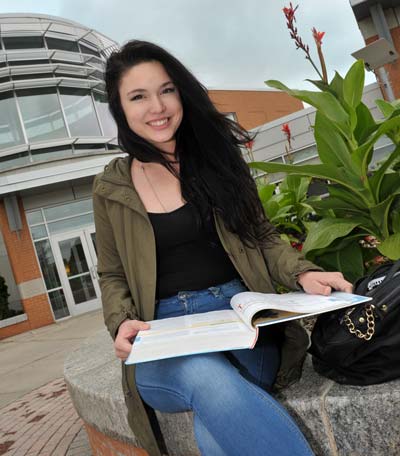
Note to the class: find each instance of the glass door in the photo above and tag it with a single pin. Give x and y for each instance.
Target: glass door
(76, 259)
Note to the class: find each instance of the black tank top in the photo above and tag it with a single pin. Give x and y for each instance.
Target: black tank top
(189, 253)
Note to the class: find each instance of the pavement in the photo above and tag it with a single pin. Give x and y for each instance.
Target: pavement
(36, 414)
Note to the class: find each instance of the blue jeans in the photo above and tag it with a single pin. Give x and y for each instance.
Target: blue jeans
(233, 414)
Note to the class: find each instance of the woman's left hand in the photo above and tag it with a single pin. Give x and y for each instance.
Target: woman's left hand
(316, 282)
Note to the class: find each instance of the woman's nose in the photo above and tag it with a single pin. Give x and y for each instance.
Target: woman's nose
(157, 104)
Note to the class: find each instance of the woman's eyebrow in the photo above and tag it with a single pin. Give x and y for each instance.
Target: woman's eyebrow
(144, 90)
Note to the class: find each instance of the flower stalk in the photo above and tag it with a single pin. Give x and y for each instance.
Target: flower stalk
(288, 147)
(289, 13)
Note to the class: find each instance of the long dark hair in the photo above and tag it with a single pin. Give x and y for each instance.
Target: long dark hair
(213, 173)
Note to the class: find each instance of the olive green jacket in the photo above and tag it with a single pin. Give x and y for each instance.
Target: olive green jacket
(127, 269)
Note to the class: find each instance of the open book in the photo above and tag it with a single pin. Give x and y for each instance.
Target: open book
(234, 329)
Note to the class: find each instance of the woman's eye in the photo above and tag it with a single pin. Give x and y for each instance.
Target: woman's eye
(136, 97)
(169, 90)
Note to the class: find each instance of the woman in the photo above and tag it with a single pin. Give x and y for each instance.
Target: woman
(180, 229)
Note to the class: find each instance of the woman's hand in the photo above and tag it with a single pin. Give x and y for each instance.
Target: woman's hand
(316, 282)
(127, 331)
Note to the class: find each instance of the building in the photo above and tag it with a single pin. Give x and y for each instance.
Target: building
(381, 19)
(55, 134)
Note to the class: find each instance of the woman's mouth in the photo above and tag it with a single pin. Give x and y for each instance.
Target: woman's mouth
(158, 123)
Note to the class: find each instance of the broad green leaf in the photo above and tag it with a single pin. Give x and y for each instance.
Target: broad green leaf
(395, 221)
(332, 148)
(385, 107)
(266, 191)
(326, 231)
(321, 85)
(336, 205)
(271, 208)
(366, 124)
(353, 84)
(297, 185)
(348, 196)
(376, 179)
(390, 247)
(362, 156)
(323, 101)
(380, 214)
(348, 260)
(337, 86)
(326, 172)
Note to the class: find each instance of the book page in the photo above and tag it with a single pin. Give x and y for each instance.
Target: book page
(274, 308)
(190, 334)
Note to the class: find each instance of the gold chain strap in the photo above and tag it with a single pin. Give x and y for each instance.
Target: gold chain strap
(369, 311)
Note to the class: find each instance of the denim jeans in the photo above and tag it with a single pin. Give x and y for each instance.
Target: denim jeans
(233, 412)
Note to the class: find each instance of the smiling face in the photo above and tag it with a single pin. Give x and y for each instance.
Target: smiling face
(151, 104)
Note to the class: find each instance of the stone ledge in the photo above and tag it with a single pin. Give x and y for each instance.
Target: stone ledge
(337, 420)
(13, 320)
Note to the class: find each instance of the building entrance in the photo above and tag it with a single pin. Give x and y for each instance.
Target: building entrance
(76, 260)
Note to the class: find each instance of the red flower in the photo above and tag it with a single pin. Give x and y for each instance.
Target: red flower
(286, 130)
(297, 245)
(379, 260)
(249, 145)
(317, 36)
(289, 12)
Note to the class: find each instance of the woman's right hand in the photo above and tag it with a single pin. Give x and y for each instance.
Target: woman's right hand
(127, 331)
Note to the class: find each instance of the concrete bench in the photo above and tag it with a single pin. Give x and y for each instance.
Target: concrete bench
(337, 420)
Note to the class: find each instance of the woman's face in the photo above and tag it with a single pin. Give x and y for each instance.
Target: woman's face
(151, 104)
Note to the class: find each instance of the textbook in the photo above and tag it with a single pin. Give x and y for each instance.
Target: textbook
(234, 329)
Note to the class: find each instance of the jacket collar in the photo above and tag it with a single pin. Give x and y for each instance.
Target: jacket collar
(115, 183)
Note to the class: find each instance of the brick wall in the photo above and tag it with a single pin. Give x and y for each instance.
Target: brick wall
(103, 445)
(392, 69)
(255, 107)
(23, 262)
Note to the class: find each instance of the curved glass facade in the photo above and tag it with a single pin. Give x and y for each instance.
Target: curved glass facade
(51, 89)
(55, 122)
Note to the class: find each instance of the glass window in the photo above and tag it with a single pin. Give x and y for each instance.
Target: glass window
(88, 50)
(68, 210)
(82, 288)
(106, 119)
(22, 158)
(51, 153)
(97, 75)
(34, 217)
(62, 45)
(28, 62)
(47, 264)
(23, 42)
(79, 111)
(80, 148)
(42, 116)
(72, 223)
(19, 77)
(38, 232)
(67, 61)
(58, 304)
(10, 125)
(113, 147)
(70, 75)
(304, 154)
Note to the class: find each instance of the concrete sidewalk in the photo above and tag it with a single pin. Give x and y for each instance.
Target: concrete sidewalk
(37, 417)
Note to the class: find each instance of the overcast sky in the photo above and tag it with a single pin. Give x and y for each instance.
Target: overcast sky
(226, 43)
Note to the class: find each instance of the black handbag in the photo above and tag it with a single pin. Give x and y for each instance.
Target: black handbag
(361, 345)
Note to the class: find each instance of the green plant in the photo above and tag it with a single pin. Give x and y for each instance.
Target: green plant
(363, 200)
(289, 208)
(4, 310)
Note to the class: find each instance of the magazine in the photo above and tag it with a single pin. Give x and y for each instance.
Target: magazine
(234, 329)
